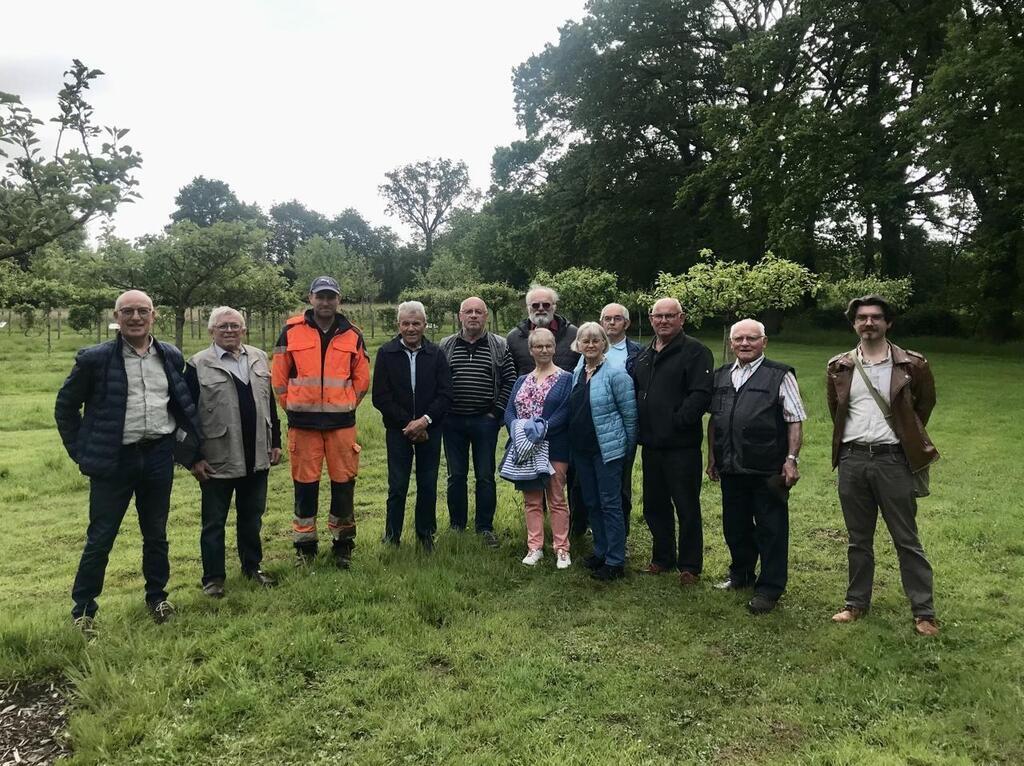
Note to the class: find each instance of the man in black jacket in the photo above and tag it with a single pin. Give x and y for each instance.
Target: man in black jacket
(135, 399)
(673, 386)
(412, 390)
(541, 305)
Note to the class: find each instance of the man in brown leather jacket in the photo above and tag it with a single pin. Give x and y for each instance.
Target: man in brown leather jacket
(880, 398)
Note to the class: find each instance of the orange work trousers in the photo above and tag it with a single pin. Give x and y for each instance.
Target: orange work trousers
(307, 449)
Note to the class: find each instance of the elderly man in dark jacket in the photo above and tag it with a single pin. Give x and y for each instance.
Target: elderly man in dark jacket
(412, 390)
(541, 305)
(673, 385)
(135, 399)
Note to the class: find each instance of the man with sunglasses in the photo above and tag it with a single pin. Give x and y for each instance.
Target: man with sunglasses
(135, 398)
(673, 385)
(541, 311)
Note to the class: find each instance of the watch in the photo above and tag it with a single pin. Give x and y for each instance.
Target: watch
(794, 458)
(430, 420)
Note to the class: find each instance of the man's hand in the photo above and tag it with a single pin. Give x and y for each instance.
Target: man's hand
(202, 470)
(790, 473)
(712, 471)
(275, 455)
(414, 428)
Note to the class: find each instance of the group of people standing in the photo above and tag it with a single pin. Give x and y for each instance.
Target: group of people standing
(575, 404)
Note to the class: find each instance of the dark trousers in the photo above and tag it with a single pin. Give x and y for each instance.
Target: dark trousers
(755, 521)
(146, 472)
(672, 477)
(579, 514)
(478, 433)
(428, 461)
(627, 488)
(869, 483)
(601, 485)
(250, 501)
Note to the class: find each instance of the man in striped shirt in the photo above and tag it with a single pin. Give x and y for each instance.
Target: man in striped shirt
(754, 439)
(483, 373)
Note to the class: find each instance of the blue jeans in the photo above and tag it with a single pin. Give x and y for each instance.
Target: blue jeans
(146, 472)
(479, 433)
(601, 484)
(428, 460)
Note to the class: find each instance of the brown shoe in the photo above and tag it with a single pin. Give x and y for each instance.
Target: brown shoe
(688, 578)
(848, 614)
(926, 626)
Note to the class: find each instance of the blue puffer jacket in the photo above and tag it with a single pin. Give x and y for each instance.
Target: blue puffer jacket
(99, 382)
(613, 409)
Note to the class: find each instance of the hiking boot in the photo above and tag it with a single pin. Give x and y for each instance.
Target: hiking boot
(607, 573)
(848, 614)
(214, 588)
(761, 604)
(593, 563)
(342, 552)
(161, 611)
(926, 626)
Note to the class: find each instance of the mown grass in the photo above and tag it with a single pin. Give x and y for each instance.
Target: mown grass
(468, 657)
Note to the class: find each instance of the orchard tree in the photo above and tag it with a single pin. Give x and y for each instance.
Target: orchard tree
(582, 292)
(424, 195)
(90, 173)
(191, 265)
(837, 294)
(319, 257)
(731, 291)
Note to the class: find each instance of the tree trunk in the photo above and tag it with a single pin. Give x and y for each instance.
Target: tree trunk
(48, 345)
(179, 327)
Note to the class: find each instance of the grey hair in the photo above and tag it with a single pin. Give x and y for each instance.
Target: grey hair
(760, 326)
(625, 311)
(534, 287)
(220, 311)
(535, 333)
(589, 329)
(412, 307)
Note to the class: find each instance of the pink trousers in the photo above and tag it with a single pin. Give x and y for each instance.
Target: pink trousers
(557, 508)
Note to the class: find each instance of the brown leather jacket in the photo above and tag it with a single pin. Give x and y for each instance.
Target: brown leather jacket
(911, 398)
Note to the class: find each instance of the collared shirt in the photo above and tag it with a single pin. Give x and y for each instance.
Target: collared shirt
(237, 365)
(412, 354)
(617, 354)
(789, 392)
(146, 415)
(865, 423)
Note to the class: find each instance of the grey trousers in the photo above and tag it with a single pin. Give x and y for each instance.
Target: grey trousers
(869, 483)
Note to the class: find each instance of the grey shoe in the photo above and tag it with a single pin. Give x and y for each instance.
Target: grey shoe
(761, 604)
(161, 611)
(490, 539)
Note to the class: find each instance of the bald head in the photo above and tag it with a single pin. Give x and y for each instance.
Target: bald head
(133, 298)
(473, 318)
(135, 315)
(667, 318)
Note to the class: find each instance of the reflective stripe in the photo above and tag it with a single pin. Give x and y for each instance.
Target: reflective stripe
(318, 382)
(336, 522)
(302, 524)
(280, 349)
(319, 407)
(305, 537)
(280, 390)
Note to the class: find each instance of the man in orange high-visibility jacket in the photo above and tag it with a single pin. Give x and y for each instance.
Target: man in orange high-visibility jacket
(321, 372)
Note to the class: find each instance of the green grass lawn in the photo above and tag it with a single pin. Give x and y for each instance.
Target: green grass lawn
(469, 657)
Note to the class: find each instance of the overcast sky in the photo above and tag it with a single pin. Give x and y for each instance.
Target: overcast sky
(302, 99)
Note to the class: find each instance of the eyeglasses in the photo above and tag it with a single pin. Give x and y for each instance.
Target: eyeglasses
(747, 338)
(142, 312)
(664, 317)
(229, 327)
(616, 318)
(536, 306)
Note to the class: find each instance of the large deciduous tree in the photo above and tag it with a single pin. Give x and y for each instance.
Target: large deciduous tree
(424, 194)
(205, 201)
(46, 196)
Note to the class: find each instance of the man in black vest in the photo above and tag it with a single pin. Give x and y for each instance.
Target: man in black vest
(754, 438)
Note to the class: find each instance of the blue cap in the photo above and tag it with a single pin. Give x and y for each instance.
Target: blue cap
(325, 283)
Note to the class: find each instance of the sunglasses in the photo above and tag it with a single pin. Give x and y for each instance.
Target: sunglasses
(536, 306)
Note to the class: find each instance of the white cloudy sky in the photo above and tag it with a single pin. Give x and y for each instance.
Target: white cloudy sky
(306, 99)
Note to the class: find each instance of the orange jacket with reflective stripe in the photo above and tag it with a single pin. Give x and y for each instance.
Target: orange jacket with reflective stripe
(320, 386)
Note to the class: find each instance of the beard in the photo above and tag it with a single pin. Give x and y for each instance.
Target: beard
(541, 320)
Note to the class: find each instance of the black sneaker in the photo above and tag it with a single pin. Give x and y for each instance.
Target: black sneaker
(161, 611)
(761, 604)
(490, 539)
(260, 577)
(214, 588)
(593, 563)
(607, 573)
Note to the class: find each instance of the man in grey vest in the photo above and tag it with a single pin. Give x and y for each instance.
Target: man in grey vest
(483, 373)
(754, 438)
(230, 382)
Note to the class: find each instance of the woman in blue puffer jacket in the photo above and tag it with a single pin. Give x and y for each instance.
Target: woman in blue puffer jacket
(602, 431)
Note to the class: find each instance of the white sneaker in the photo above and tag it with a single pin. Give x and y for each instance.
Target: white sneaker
(532, 557)
(564, 562)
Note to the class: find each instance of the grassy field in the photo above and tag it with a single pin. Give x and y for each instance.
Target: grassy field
(469, 657)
